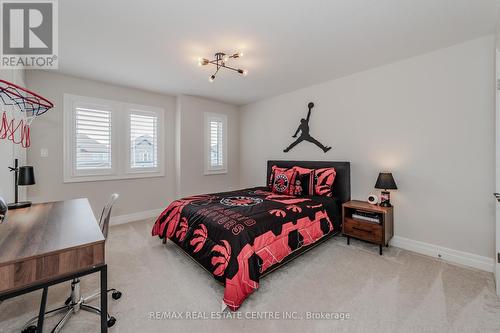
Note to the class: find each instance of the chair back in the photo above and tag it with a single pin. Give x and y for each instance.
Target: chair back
(106, 214)
(3, 209)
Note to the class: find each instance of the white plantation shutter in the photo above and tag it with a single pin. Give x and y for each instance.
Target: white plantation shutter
(216, 144)
(143, 140)
(92, 139)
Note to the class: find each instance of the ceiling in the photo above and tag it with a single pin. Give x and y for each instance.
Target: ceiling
(288, 44)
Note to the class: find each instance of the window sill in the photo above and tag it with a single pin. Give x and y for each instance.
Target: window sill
(97, 178)
(215, 172)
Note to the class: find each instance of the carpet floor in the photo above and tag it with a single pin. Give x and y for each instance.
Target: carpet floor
(398, 292)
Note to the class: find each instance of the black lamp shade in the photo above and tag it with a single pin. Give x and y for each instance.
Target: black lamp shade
(385, 181)
(26, 176)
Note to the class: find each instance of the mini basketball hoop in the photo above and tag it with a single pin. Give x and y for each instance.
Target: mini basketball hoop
(17, 99)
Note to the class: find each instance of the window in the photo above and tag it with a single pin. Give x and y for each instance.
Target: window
(215, 143)
(143, 140)
(94, 145)
(93, 139)
(216, 151)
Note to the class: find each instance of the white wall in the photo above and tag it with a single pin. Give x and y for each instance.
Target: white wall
(184, 148)
(429, 119)
(8, 150)
(190, 146)
(136, 195)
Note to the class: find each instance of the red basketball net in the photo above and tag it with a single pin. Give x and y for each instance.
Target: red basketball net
(29, 104)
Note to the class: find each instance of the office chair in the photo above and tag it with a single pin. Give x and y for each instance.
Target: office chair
(75, 301)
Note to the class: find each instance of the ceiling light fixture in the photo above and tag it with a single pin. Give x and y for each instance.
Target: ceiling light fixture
(220, 62)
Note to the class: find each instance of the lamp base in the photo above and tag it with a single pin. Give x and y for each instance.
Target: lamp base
(16, 205)
(385, 199)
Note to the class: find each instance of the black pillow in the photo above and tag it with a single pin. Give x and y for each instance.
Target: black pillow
(305, 181)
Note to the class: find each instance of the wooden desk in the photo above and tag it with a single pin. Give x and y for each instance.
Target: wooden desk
(50, 243)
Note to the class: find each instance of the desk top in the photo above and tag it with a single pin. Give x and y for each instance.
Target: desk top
(47, 228)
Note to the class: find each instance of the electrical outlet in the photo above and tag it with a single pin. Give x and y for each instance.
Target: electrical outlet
(44, 152)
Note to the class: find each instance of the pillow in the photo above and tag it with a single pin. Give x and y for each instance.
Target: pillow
(271, 176)
(284, 181)
(323, 181)
(304, 182)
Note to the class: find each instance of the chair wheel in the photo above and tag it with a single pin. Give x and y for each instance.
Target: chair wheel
(30, 329)
(111, 321)
(116, 294)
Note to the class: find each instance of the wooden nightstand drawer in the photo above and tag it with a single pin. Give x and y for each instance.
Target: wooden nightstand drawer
(367, 231)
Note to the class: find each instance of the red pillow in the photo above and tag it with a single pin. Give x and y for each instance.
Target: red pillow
(271, 177)
(284, 181)
(323, 181)
(304, 183)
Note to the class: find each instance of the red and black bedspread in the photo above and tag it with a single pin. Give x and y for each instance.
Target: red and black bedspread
(238, 235)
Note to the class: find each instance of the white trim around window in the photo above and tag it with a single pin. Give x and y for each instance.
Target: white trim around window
(98, 139)
(215, 152)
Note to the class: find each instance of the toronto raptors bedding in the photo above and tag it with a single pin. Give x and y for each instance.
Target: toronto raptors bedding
(239, 235)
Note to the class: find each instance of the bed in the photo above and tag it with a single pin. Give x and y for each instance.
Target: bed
(240, 236)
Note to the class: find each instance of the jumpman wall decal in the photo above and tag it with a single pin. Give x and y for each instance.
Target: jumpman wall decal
(304, 133)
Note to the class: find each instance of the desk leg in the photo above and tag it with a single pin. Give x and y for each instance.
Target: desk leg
(104, 299)
(41, 313)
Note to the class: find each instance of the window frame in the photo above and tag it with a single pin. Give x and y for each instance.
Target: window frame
(120, 128)
(208, 169)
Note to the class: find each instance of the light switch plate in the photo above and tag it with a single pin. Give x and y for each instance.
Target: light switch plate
(44, 152)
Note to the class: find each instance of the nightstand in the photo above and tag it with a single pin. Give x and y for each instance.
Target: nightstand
(378, 233)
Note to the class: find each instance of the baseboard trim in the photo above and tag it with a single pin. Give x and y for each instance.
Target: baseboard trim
(127, 218)
(446, 254)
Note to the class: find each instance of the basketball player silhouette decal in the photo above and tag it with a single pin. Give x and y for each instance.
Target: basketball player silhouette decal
(304, 133)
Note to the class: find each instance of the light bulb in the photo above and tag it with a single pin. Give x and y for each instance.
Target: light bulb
(211, 78)
(245, 72)
(200, 61)
(240, 54)
(226, 58)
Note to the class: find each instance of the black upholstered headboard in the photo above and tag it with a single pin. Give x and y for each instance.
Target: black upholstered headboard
(341, 187)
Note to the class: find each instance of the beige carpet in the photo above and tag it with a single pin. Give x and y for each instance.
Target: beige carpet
(397, 292)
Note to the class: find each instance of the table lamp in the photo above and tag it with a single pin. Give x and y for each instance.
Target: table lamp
(22, 176)
(386, 182)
